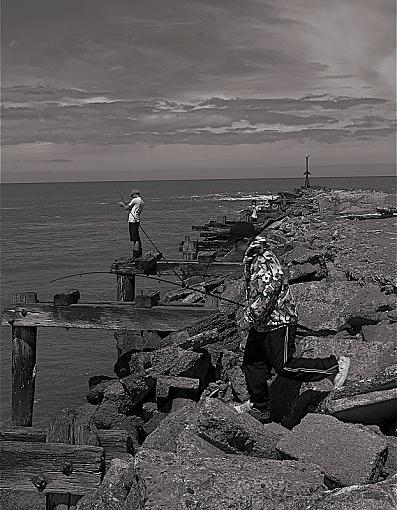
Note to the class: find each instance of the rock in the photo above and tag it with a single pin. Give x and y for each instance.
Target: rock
(276, 428)
(305, 272)
(237, 383)
(347, 453)
(302, 253)
(136, 341)
(119, 480)
(200, 340)
(328, 307)
(165, 436)
(235, 291)
(380, 496)
(176, 295)
(170, 360)
(367, 358)
(174, 481)
(187, 443)
(382, 332)
(149, 409)
(107, 416)
(222, 426)
(168, 386)
(96, 393)
(369, 401)
(180, 363)
(165, 411)
(137, 387)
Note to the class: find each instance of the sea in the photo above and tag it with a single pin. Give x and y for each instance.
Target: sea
(52, 230)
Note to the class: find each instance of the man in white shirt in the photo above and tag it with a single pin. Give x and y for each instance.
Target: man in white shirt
(134, 207)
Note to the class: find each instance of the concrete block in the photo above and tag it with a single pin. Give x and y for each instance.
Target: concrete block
(348, 454)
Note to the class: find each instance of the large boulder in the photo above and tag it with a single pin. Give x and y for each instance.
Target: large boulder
(170, 428)
(348, 454)
(327, 307)
(174, 481)
(222, 426)
(367, 358)
(379, 496)
(372, 400)
(119, 481)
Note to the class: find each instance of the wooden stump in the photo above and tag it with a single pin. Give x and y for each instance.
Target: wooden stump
(23, 374)
(125, 288)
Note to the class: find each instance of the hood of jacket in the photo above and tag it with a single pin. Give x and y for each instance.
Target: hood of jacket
(259, 244)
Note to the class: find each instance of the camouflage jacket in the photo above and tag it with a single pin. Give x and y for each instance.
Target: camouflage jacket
(270, 303)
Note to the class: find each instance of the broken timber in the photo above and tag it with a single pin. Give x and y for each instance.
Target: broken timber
(39, 467)
(112, 316)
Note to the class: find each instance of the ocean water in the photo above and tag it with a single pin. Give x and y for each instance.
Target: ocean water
(54, 229)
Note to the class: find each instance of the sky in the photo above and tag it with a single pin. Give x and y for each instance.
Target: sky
(190, 89)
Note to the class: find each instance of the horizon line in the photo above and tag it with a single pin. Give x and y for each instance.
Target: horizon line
(204, 179)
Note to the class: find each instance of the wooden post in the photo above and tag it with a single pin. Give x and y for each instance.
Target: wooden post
(125, 288)
(23, 374)
(211, 301)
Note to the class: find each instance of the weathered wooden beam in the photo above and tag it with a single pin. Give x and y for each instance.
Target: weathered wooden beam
(104, 316)
(23, 434)
(23, 370)
(49, 467)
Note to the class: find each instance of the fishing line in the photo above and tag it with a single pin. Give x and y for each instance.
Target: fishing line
(162, 256)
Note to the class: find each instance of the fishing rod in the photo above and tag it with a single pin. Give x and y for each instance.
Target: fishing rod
(181, 286)
(79, 274)
(206, 293)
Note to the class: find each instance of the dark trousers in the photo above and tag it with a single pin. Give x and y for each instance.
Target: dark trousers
(276, 349)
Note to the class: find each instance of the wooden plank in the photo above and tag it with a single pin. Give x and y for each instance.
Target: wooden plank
(105, 316)
(23, 434)
(22, 465)
(23, 371)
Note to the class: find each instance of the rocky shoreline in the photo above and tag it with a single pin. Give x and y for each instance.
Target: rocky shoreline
(189, 449)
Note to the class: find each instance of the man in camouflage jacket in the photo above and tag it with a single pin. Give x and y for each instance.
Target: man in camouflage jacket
(268, 329)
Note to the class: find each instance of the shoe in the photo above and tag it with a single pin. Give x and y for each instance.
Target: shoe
(262, 415)
(341, 376)
(244, 407)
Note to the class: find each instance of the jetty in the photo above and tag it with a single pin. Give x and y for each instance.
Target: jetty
(143, 433)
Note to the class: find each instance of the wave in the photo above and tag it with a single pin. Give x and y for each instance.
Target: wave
(240, 196)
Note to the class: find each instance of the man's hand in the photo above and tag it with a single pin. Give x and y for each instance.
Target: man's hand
(243, 330)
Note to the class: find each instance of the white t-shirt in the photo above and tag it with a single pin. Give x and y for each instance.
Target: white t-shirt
(136, 205)
(254, 212)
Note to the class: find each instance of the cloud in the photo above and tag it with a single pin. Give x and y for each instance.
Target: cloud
(72, 116)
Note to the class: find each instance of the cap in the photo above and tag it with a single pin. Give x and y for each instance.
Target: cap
(135, 192)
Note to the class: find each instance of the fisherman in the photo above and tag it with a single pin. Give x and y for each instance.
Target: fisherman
(267, 329)
(134, 206)
(254, 212)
